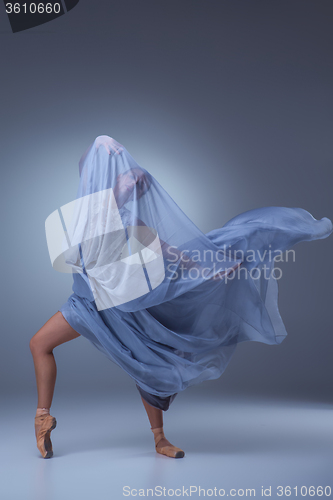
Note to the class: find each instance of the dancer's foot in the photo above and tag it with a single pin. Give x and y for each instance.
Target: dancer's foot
(164, 447)
(44, 424)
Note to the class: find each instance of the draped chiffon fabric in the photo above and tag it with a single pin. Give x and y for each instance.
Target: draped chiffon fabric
(158, 297)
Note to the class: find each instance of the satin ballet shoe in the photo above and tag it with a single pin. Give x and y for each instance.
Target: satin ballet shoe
(44, 424)
(169, 450)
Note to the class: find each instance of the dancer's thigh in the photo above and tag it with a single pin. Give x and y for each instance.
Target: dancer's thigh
(56, 331)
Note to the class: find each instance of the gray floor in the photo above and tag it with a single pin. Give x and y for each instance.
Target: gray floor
(102, 446)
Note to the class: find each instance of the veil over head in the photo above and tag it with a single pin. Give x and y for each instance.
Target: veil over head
(129, 241)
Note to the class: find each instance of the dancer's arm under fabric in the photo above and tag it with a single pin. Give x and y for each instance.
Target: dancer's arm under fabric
(139, 180)
(169, 251)
(188, 263)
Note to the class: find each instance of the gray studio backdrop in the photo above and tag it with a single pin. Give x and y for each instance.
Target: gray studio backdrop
(229, 100)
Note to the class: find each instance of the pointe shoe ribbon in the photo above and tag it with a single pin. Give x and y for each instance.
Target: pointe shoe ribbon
(169, 450)
(44, 424)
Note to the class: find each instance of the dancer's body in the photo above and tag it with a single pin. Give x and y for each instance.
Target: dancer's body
(167, 326)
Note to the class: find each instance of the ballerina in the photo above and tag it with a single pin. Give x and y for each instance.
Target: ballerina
(158, 297)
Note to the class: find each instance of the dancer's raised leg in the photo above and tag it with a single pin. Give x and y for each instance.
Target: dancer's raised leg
(56, 331)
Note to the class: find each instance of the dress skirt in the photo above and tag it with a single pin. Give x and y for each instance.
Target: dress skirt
(191, 338)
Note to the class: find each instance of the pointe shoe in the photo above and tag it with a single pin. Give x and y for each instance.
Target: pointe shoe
(44, 424)
(169, 450)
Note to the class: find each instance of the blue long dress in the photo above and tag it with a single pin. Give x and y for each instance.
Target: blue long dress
(185, 329)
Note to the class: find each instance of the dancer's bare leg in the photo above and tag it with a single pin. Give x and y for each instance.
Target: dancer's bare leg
(56, 331)
(155, 417)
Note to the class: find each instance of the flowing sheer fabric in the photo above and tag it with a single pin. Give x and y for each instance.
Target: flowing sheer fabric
(157, 296)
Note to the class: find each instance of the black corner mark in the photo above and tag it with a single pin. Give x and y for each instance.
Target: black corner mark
(24, 15)
(70, 4)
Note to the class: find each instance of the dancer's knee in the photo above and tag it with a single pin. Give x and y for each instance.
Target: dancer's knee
(56, 331)
(37, 346)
